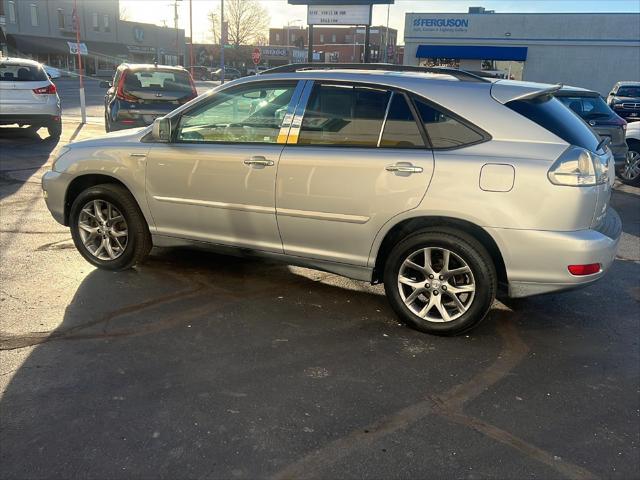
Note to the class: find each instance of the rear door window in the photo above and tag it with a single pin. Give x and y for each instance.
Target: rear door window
(400, 127)
(15, 72)
(550, 113)
(444, 130)
(344, 115)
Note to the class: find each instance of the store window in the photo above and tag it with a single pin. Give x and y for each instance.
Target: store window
(333, 38)
(105, 63)
(60, 18)
(105, 23)
(34, 15)
(96, 26)
(321, 38)
(277, 37)
(11, 11)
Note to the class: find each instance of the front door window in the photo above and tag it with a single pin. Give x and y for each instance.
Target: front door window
(251, 114)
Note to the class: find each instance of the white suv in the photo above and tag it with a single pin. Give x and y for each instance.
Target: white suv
(442, 185)
(28, 96)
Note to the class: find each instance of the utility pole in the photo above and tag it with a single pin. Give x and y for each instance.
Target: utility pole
(191, 34)
(175, 25)
(83, 105)
(223, 40)
(386, 37)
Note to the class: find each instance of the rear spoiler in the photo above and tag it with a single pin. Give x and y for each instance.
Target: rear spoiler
(505, 91)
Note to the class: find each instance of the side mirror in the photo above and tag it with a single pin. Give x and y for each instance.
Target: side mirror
(105, 84)
(612, 93)
(161, 131)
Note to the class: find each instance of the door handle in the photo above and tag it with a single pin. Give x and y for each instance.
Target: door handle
(403, 168)
(259, 160)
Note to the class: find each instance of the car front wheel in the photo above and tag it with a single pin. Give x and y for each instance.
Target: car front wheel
(629, 173)
(440, 281)
(108, 228)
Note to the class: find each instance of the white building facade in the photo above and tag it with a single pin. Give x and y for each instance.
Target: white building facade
(589, 50)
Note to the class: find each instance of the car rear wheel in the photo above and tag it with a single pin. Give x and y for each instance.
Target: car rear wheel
(55, 129)
(108, 228)
(630, 172)
(440, 281)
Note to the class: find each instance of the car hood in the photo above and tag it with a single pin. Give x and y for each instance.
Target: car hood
(113, 138)
(626, 99)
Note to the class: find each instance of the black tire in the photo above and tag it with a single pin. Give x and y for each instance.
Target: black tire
(634, 151)
(139, 239)
(55, 129)
(467, 249)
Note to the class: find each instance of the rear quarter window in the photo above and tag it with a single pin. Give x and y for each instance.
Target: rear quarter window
(444, 130)
(551, 114)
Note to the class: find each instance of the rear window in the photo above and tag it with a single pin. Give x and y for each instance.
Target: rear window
(157, 80)
(15, 72)
(589, 108)
(550, 113)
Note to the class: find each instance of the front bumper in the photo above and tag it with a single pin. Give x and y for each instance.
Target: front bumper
(536, 261)
(54, 190)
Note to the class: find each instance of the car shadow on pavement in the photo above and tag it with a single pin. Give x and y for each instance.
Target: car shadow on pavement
(200, 365)
(24, 152)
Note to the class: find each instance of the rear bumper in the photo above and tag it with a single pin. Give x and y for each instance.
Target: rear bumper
(536, 261)
(30, 119)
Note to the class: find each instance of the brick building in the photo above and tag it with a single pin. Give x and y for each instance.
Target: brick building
(339, 44)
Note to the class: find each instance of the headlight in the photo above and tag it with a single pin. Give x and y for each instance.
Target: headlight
(63, 151)
(578, 167)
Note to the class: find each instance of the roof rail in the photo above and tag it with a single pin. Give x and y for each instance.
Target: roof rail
(298, 67)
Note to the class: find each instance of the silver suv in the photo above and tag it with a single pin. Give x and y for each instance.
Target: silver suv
(444, 186)
(28, 96)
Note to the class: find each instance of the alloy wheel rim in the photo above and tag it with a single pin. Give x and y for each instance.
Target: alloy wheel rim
(103, 230)
(436, 284)
(631, 169)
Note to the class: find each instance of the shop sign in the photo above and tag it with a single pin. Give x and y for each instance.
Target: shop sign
(73, 48)
(339, 15)
(140, 49)
(138, 34)
(443, 25)
(274, 52)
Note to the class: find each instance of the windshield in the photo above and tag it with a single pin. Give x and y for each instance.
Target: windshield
(550, 113)
(157, 81)
(16, 72)
(629, 91)
(589, 108)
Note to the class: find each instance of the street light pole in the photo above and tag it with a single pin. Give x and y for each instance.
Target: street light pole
(83, 105)
(386, 37)
(191, 34)
(222, 41)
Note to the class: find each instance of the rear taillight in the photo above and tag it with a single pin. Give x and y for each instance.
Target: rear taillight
(121, 94)
(588, 269)
(48, 90)
(578, 167)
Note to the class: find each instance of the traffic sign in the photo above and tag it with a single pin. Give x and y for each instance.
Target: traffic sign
(255, 56)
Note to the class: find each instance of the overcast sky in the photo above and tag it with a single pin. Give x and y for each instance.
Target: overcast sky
(161, 11)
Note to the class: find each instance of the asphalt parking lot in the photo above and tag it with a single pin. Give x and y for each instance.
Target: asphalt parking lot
(196, 365)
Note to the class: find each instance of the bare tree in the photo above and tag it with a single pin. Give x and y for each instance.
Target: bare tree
(124, 13)
(248, 21)
(214, 25)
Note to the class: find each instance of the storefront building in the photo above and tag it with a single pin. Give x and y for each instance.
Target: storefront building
(589, 50)
(45, 30)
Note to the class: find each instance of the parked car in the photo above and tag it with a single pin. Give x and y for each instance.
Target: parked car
(229, 73)
(28, 96)
(256, 70)
(52, 72)
(630, 174)
(591, 107)
(448, 187)
(624, 98)
(200, 72)
(140, 93)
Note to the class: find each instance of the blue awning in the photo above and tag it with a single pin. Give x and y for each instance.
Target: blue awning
(472, 52)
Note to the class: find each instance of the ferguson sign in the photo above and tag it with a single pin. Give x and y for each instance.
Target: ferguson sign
(423, 24)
